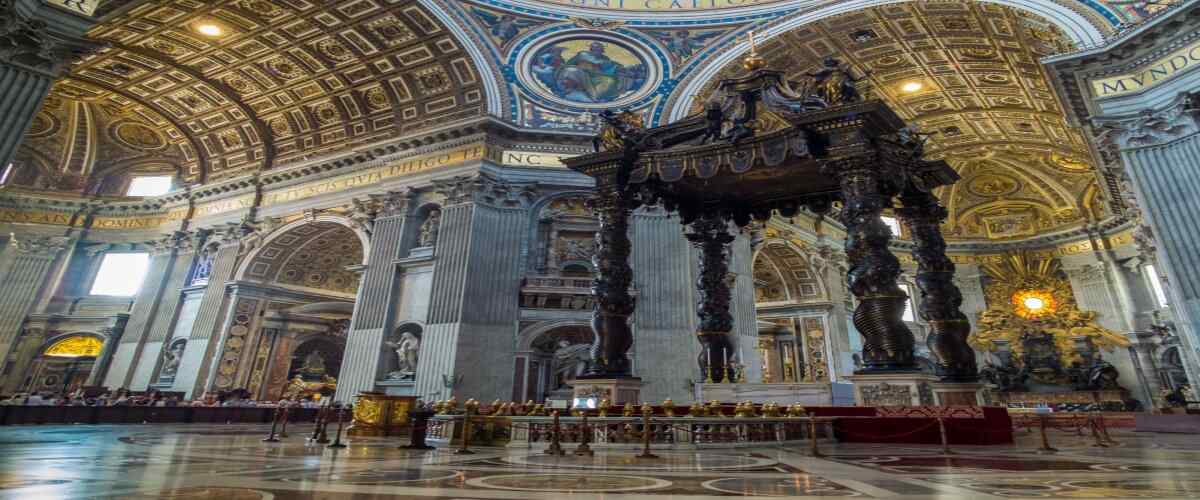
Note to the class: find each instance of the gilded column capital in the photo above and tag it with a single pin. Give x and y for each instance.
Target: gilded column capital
(48, 247)
(395, 203)
(486, 190)
(37, 40)
(1150, 127)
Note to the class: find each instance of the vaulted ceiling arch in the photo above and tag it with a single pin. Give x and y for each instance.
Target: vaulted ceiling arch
(968, 73)
(256, 84)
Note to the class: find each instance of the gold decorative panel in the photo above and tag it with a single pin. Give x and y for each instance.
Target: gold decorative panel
(967, 73)
(78, 346)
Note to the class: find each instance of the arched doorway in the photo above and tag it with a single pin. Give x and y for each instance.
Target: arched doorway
(792, 301)
(291, 306)
(65, 364)
(551, 357)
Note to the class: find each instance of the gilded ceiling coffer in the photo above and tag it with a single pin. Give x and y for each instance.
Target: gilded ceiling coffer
(859, 153)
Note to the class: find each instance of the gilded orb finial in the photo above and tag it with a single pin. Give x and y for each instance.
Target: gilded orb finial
(752, 61)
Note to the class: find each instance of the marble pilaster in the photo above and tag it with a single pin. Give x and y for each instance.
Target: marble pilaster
(665, 349)
(39, 42)
(25, 267)
(1161, 153)
(374, 308)
(197, 358)
(145, 308)
(473, 312)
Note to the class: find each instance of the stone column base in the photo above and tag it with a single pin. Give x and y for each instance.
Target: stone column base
(617, 390)
(893, 389)
(958, 393)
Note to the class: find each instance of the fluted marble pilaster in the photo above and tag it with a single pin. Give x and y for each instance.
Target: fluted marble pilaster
(745, 314)
(164, 319)
(197, 358)
(23, 92)
(374, 308)
(1167, 178)
(39, 43)
(473, 312)
(145, 306)
(25, 268)
(664, 263)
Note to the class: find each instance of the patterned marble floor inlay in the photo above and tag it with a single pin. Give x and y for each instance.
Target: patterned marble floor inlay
(198, 461)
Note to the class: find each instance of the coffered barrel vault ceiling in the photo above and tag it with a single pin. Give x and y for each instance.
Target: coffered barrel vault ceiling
(984, 97)
(284, 80)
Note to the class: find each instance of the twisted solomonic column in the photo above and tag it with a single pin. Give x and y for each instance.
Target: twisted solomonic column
(614, 304)
(941, 299)
(711, 234)
(887, 342)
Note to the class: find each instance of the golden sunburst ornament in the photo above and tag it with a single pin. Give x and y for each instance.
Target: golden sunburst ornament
(1033, 304)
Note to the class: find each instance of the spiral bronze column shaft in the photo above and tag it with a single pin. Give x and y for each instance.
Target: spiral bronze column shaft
(710, 233)
(887, 342)
(614, 304)
(941, 300)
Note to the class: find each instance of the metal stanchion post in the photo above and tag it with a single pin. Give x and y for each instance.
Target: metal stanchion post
(812, 436)
(465, 449)
(584, 436)
(274, 422)
(1044, 419)
(945, 439)
(316, 433)
(283, 428)
(1095, 427)
(337, 439)
(646, 435)
(555, 447)
(1104, 431)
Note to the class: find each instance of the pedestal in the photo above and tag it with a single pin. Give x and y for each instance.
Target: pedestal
(894, 389)
(617, 390)
(377, 414)
(958, 393)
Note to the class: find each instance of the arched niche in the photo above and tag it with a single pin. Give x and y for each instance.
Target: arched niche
(564, 236)
(309, 255)
(544, 351)
(64, 363)
(783, 273)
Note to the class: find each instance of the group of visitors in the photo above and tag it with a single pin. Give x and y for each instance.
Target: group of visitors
(123, 397)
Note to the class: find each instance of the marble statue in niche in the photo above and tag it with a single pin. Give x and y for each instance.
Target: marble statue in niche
(171, 358)
(314, 366)
(569, 362)
(428, 233)
(406, 349)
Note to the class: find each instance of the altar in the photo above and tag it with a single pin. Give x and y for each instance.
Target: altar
(807, 394)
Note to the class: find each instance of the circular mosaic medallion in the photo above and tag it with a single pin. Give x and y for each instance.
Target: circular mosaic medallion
(206, 492)
(795, 486)
(574, 483)
(992, 185)
(588, 70)
(138, 136)
(667, 462)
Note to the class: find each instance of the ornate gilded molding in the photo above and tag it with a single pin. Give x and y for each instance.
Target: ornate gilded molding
(1151, 127)
(36, 45)
(48, 247)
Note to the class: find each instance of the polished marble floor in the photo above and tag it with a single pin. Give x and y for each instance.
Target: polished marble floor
(231, 462)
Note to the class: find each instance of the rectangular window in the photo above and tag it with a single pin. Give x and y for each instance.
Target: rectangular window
(8, 169)
(1160, 295)
(121, 274)
(893, 224)
(909, 315)
(149, 185)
